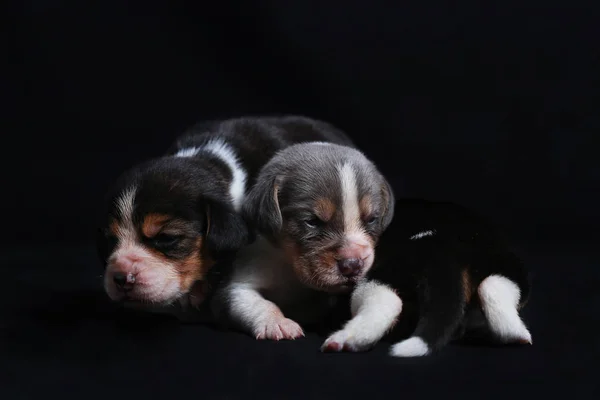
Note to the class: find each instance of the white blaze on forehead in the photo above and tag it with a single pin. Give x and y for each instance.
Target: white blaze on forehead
(125, 204)
(349, 191)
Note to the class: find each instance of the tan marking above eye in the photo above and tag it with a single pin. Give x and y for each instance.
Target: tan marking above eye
(366, 206)
(324, 208)
(153, 223)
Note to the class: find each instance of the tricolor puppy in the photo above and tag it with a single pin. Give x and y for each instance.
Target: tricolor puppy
(443, 273)
(319, 209)
(169, 220)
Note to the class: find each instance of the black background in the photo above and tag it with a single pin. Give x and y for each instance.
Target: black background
(491, 105)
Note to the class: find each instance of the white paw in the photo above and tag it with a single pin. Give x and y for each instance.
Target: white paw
(344, 340)
(411, 347)
(278, 328)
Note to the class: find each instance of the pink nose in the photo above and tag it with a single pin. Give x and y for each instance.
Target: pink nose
(124, 262)
(355, 251)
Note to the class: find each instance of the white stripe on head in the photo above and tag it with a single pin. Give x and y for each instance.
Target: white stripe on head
(125, 204)
(187, 152)
(237, 187)
(349, 191)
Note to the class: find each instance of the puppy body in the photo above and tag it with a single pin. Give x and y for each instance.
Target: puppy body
(167, 221)
(319, 209)
(453, 275)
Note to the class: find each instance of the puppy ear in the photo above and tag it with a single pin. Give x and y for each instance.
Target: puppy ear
(225, 229)
(261, 207)
(389, 202)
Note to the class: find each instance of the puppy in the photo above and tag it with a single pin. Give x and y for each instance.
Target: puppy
(454, 277)
(319, 209)
(167, 221)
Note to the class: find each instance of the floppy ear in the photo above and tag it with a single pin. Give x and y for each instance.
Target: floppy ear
(261, 207)
(225, 229)
(389, 202)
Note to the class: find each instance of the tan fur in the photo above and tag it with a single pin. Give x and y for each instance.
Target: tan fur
(366, 206)
(466, 285)
(153, 223)
(324, 208)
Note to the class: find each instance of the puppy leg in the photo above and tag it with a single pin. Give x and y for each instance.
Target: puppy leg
(258, 316)
(375, 308)
(500, 298)
(442, 308)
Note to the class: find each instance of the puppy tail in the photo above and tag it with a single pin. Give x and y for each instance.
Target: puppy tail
(442, 301)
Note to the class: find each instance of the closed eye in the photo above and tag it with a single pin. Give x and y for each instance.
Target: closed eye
(164, 241)
(370, 220)
(313, 222)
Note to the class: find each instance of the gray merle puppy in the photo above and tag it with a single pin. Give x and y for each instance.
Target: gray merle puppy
(319, 209)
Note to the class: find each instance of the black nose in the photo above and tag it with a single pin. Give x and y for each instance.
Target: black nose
(122, 280)
(350, 267)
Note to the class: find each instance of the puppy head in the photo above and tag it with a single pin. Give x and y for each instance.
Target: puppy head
(166, 222)
(326, 206)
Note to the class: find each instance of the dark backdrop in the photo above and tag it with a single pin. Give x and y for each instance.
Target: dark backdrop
(491, 104)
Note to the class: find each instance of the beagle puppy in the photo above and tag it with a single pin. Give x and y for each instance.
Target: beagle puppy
(319, 209)
(443, 273)
(168, 221)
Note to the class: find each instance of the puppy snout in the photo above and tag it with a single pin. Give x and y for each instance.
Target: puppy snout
(350, 267)
(355, 250)
(123, 281)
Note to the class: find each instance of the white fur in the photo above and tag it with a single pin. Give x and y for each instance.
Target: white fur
(125, 204)
(187, 152)
(349, 192)
(261, 266)
(411, 347)
(218, 147)
(423, 234)
(237, 188)
(499, 300)
(156, 281)
(375, 308)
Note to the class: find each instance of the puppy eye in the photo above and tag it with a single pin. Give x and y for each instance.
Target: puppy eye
(165, 241)
(371, 220)
(313, 222)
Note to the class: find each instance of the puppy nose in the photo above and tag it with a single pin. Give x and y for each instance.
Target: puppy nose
(350, 267)
(123, 280)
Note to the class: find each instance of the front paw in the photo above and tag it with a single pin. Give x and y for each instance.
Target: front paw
(345, 340)
(278, 328)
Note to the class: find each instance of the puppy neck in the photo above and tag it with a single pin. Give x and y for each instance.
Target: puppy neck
(220, 152)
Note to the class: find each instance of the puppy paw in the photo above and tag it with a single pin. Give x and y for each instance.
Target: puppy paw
(278, 328)
(411, 347)
(521, 337)
(345, 341)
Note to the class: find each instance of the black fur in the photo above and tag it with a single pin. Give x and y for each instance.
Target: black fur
(427, 272)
